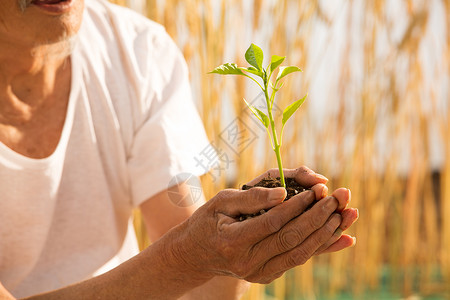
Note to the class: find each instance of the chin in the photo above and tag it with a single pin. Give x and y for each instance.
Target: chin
(61, 33)
(55, 28)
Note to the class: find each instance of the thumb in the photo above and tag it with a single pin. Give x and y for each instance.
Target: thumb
(239, 202)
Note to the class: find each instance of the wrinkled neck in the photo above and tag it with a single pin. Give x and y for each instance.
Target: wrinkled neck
(28, 76)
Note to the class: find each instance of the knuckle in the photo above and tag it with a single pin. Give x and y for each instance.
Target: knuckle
(291, 260)
(300, 256)
(319, 239)
(220, 198)
(223, 194)
(289, 239)
(315, 221)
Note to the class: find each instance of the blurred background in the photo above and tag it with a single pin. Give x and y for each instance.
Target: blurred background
(376, 120)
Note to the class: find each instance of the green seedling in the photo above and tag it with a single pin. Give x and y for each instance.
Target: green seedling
(262, 76)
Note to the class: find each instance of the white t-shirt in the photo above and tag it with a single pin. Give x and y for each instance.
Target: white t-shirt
(130, 128)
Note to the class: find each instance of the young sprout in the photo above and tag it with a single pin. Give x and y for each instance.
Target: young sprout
(254, 56)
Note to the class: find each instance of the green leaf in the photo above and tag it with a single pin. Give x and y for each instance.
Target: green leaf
(254, 56)
(287, 70)
(264, 118)
(253, 70)
(276, 61)
(259, 114)
(291, 109)
(228, 69)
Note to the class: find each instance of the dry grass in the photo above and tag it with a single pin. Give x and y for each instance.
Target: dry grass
(384, 93)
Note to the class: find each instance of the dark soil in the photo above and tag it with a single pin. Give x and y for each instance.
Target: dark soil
(292, 188)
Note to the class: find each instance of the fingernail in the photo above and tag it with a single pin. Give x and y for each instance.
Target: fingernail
(277, 194)
(321, 177)
(354, 241)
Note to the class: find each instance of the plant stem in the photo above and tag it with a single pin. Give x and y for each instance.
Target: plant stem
(276, 145)
(280, 165)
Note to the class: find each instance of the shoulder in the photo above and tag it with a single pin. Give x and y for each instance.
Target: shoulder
(119, 34)
(122, 25)
(131, 59)
(106, 12)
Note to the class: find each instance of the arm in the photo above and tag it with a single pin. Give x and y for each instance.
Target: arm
(158, 272)
(214, 242)
(161, 213)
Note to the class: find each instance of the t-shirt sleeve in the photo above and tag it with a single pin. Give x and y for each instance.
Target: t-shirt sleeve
(169, 133)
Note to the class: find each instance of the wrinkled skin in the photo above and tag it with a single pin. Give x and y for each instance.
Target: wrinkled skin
(24, 25)
(261, 249)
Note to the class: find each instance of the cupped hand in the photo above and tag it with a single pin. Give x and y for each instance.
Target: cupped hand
(261, 249)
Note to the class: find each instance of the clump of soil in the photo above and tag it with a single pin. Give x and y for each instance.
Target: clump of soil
(292, 187)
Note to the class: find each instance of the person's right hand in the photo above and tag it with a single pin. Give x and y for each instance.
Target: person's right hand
(213, 241)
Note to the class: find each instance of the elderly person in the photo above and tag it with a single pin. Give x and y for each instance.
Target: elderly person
(96, 119)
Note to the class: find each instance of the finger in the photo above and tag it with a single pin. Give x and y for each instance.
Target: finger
(320, 190)
(343, 195)
(349, 216)
(308, 177)
(237, 202)
(297, 230)
(300, 254)
(334, 238)
(343, 242)
(303, 175)
(274, 173)
(256, 229)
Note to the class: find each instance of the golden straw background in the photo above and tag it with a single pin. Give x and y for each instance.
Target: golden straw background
(398, 232)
